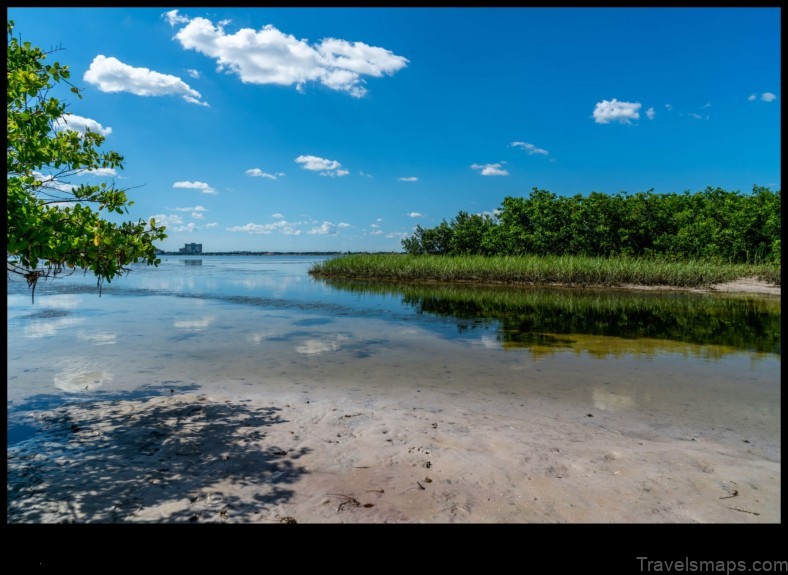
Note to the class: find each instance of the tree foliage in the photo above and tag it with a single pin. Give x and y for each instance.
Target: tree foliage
(713, 224)
(54, 225)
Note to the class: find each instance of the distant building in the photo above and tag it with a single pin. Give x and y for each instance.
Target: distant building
(191, 249)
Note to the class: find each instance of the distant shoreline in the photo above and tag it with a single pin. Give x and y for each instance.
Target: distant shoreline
(270, 253)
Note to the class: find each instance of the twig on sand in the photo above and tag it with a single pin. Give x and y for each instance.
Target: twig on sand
(744, 511)
(347, 501)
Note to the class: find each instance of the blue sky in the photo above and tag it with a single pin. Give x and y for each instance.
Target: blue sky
(341, 129)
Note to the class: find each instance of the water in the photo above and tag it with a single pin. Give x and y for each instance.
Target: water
(259, 325)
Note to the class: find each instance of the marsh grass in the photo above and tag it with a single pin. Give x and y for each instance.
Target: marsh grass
(541, 270)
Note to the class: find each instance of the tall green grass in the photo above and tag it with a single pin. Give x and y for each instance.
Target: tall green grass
(546, 270)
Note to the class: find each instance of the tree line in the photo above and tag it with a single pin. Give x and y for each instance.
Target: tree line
(711, 224)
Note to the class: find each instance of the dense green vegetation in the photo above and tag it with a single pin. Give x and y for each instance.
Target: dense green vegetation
(55, 225)
(549, 269)
(679, 240)
(712, 224)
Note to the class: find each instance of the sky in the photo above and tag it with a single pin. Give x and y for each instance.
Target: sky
(342, 129)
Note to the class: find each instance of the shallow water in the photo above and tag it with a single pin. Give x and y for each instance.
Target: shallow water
(681, 364)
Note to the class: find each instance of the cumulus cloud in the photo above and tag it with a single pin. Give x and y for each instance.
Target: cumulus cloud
(193, 73)
(197, 215)
(174, 18)
(615, 111)
(258, 173)
(490, 169)
(768, 97)
(327, 228)
(414, 215)
(211, 225)
(530, 148)
(269, 56)
(104, 172)
(194, 209)
(322, 165)
(202, 186)
(174, 223)
(409, 179)
(112, 75)
(650, 113)
(52, 183)
(80, 124)
(281, 226)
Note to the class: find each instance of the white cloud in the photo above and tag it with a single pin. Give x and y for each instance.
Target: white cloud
(112, 75)
(414, 215)
(490, 169)
(669, 107)
(327, 228)
(615, 111)
(80, 124)
(174, 18)
(650, 113)
(211, 225)
(366, 175)
(376, 233)
(768, 97)
(168, 219)
(105, 172)
(752, 97)
(50, 182)
(374, 226)
(202, 186)
(696, 116)
(193, 73)
(277, 216)
(530, 148)
(197, 215)
(194, 209)
(322, 165)
(409, 179)
(268, 56)
(397, 235)
(258, 173)
(281, 226)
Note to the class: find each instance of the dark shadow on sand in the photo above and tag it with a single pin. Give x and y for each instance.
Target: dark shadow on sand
(105, 461)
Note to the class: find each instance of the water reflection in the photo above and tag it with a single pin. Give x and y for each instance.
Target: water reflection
(195, 325)
(598, 322)
(319, 346)
(102, 338)
(80, 374)
(44, 327)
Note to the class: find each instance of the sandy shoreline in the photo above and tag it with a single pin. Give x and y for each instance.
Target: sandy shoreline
(407, 455)
(743, 285)
(213, 459)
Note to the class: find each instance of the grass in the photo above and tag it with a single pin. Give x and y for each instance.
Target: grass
(541, 270)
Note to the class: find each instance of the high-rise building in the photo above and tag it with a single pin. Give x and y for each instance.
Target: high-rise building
(191, 249)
